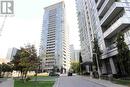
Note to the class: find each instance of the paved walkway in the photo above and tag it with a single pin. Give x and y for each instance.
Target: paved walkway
(102, 82)
(80, 81)
(7, 83)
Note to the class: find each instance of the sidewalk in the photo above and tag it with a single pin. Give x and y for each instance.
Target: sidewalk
(7, 83)
(102, 82)
(56, 83)
(83, 81)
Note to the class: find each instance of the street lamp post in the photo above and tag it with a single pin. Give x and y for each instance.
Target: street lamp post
(99, 72)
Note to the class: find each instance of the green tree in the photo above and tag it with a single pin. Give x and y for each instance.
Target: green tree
(97, 53)
(16, 62)
(123, 54)
(75, 66)
(26, 60)
(80, 62)
(6, 68)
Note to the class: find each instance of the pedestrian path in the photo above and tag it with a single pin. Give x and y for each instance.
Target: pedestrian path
(82, 81)
(102, 82)
(7, 83)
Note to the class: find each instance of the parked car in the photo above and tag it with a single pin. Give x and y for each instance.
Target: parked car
(70, 73)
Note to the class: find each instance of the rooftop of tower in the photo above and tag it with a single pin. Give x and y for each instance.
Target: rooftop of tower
(54, 4)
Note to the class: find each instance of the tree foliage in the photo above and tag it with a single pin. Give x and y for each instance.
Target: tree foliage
(123, 54)
(80, 58)
(82, 67)
(97, 53)
(26, 60)
(5, 68)
(75, 66)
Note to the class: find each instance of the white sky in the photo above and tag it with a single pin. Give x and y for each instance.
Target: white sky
(25, 27)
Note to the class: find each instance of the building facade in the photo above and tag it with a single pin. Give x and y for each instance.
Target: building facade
(54, 50)
(86, 26)
(104, 19)
(74, 54)
(11, 53)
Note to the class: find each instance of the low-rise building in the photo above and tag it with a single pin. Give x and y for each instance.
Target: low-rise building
(74, 54)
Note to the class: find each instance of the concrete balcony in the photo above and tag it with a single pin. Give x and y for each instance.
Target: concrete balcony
(111, 47)
(99, 3)
(106, 5)
(114, 10)
(110, 51)
(96, 1)
(119, 25)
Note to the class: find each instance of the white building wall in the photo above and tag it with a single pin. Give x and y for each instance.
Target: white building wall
(103, 19)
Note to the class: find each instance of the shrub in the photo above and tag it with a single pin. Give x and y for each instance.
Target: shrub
(28, 78)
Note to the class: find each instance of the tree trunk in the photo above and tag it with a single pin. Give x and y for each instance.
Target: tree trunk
(123, 72)
(22, 74)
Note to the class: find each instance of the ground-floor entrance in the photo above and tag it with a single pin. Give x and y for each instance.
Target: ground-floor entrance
(111, 65)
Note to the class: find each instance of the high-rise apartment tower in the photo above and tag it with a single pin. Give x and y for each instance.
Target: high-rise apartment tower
(54, 49)
(103, 19)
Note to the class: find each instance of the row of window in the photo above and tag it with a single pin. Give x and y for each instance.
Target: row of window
(50, 47)
(50, 50)
(49, 65)
(51, 27)
(52, 16)
(51, 42)
(51, 37)
(51, 34)
(50, 59)
(50, 55)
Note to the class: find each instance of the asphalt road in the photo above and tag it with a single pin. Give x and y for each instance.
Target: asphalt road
(74, 81)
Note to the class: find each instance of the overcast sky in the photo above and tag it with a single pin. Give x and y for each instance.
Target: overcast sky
(25, 27)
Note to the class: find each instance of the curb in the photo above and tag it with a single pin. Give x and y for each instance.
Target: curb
(114, 85)
(56, 83)
(95, 82)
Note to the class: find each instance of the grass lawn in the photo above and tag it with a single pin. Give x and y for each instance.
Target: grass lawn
(45, 77)
(122, 82)
(19, 83)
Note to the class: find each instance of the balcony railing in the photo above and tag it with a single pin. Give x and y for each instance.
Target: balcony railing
(106, 5)
(99, 3)
(113, 46)
(112, 12)
(117, 26)
(109, 51)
